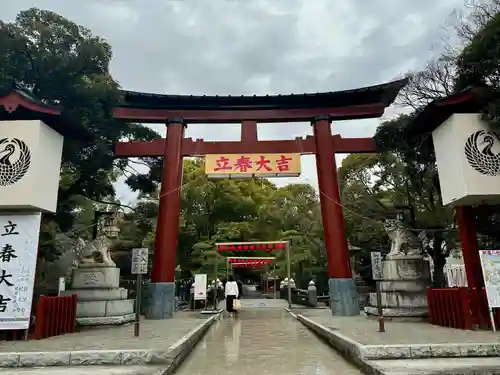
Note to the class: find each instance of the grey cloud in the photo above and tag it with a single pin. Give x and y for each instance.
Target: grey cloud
(259, 46)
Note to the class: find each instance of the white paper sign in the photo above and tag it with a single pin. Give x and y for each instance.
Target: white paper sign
(490, 264)
(18, 253)
(139, 261)
(376, 265)
(62, 285)
(200, 286)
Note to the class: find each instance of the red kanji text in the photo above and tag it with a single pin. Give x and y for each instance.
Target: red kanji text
(243, 164)
(222, 164)
(282, 163)
(263, 163)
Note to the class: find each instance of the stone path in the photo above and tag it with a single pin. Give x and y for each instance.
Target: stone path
(95, 370)
(365, 331)
(439, 365)
(155, 334)
(263, 339)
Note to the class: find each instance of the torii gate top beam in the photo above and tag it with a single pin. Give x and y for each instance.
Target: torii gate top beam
(366, 102)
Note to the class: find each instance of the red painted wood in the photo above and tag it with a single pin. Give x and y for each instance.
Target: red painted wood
(13, 100)
(470, 251)
(199, 147)
(339, 265)
(167, 228)
(249, 132)
(237, 116)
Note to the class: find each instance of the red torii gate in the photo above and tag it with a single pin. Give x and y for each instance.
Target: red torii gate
(176, 111)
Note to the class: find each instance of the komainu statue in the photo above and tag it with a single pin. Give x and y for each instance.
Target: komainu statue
(403, 241)
(94, 252)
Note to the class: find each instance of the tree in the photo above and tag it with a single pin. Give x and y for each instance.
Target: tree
(417, 166)
(62, 63)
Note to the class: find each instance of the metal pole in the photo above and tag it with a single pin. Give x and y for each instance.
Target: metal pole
(138, 298)
(288, 274)
(274, 280)
(381, 323)
(216, 286)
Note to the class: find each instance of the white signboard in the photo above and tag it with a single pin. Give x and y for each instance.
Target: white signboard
(490, 263)
(140, 261)
(62, 285)
(200, 286)
(18, 253)
(376, 265)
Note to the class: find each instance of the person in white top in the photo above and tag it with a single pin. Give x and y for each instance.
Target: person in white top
(231, 292)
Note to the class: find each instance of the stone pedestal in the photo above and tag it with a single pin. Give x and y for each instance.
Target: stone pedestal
(403, 289)
(101, 301)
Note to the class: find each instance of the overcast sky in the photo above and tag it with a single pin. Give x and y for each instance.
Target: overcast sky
(259, 47)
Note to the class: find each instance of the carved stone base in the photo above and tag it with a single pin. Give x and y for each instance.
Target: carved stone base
(403, 289)
(98, 294)
(100, 299)
(91, 309)
(106, 320)
(99, 277)
(394, 313)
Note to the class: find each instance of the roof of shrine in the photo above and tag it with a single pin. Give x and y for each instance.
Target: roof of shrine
(383, 93)
(19, 103)
(471, 100)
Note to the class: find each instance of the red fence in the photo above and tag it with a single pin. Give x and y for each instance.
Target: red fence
(463, 308)
(53, 316)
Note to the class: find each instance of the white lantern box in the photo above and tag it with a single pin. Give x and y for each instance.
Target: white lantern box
(30, 162)
(468, 160)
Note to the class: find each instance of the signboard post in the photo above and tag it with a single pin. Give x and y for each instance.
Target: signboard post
(490, 264)
(200, 287)
(252, 165)
(376, 258)
(139, 268)
(18, 254)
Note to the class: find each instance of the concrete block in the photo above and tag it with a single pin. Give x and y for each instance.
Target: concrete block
(9, 359)
(96, 357)
(120, 307)
(105, 320)
(42, 359)
(97, 294)
(90, 309)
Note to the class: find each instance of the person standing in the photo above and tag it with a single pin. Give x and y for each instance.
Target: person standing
(240, 288)
(231, 292)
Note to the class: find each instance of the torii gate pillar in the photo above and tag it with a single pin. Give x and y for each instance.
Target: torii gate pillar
(344, 299)
(161, 291)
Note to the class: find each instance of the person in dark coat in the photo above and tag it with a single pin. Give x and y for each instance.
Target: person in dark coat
(240, 288)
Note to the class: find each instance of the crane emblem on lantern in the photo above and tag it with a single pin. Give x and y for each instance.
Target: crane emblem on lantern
(12, 170)
(484, 160)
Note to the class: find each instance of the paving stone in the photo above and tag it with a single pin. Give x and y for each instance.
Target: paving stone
(38, 359)
(94, 370)
(365, 331)
(154, 334)
(9, 359)
(104, 357)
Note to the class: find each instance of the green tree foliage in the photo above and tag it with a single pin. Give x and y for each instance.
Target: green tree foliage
(238, 210)
(473, 64)
(63, 64)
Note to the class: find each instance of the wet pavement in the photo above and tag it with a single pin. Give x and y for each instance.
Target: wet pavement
(262, 340)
